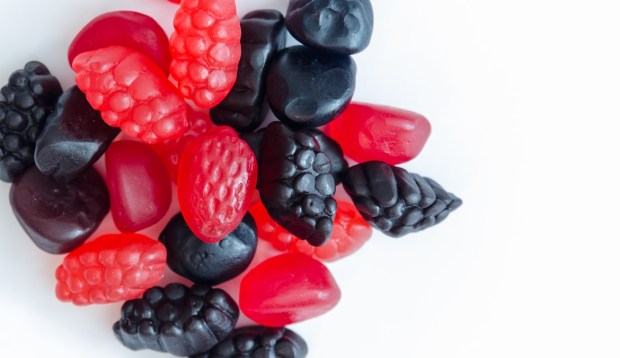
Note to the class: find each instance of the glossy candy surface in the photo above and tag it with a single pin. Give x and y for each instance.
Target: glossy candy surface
(309, 88)
(212, 264)
(132, 93)
(124, 28)
(57, 216)
(287, 289)
(139, 185)
(111, 268)
(386, 134)
(73, 139)
(176, 319)
(262, 35)
(205, 50)
(339, 26)
(217, 176)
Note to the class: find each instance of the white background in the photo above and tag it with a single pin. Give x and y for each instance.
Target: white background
(523, 97)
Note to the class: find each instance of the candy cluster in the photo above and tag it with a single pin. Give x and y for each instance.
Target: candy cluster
(191, 112)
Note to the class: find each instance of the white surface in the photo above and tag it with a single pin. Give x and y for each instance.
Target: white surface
(523, 98)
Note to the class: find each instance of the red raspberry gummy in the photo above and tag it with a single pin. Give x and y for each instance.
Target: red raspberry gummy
(217, 177)
(140, 190)
(369, 132)
(205, 48)
(110, 268)
(286, 289)
(350, 233)
(132, 93)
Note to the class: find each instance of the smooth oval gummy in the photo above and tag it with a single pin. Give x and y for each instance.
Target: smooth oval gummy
(380, 133)
(139, 185)
(57, 216)
(124, 28)
(286, 289)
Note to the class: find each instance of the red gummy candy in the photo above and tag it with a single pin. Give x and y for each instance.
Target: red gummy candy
(110, 268)
(170, 151)
(132, 93)
(217, 177)
(287, 289)
(350, 233)
(124, 28)
(140, 190)
(368, 132)
(206, 48)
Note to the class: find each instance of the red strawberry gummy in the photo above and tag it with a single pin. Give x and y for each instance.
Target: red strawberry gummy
(217, 177)
(124, 28)
(350, 233)
(369, 132)
(205, 48)
(286, 289)
(140, 190)
(111, 268)
(132, 93)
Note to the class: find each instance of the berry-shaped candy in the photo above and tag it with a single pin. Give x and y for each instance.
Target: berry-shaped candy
(350, 233)
(339, 26)
(57, 216)
(217, 177)
(395, 201)
(286, 289)
(132, 93)
(111, 268)
(25, 103)
(176, 319)
(73, 138)
(262, 35)
(308, 88)
(254, 140)
(381, 133)
(124, 28)
(212, 264)
(296, 185)
(205, 50)
(259, 342)
(139, 185)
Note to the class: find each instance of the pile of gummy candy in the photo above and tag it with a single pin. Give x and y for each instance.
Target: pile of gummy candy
(189, 109)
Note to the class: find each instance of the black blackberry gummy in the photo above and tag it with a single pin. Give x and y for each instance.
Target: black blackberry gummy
(395, 201)
(309, 88)
(259, 342)
(340, 26)
(176, 319)
(25, 103)
(262, 35)
(73, 139)
(207, 263)
(296, 184)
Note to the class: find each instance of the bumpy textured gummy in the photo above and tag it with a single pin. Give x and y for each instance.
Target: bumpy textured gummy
(259, 342)
(217, 177)
(339, 26)
(350, 233)
(205, 50)
(287, 289)
(254, 140)
(262, 35)
(132, 93)
(25, 103)
(212, 264)
(73, 139)
(385, 134)
(395, 201)
(296, 184)
(124, 28)
(176, 319)
(309, 88)
(57, 216)
(111, 268)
